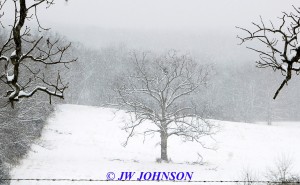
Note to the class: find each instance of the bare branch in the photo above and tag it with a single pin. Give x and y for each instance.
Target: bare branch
(286, 54)
(156, 92)
(40, 51)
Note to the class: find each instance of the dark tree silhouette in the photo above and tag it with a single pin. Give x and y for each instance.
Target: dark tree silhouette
(22, 52)
(281, 42)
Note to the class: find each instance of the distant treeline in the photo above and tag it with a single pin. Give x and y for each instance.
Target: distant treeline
(237, 90)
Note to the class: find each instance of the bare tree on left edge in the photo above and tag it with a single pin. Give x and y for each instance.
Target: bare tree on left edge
(24, 56)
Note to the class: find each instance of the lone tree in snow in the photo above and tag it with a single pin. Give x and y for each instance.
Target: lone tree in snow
(281, 42)
(24, 57)
(158, 96)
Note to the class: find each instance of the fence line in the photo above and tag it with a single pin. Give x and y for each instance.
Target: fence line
(101, 180)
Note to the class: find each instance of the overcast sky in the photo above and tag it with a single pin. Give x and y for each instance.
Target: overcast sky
(164, 14)
(156, 22)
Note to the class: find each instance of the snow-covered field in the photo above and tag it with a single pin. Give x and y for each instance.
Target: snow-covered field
(86, 142)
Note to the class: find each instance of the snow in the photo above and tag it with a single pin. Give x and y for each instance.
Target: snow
(292, 55)
(296, 66)
(293, 52)
(284, 67)
(22, 93)
(41, 87)
(3, 58)
(86, 142)
(12, 94)
(13, 54)
(10, 78)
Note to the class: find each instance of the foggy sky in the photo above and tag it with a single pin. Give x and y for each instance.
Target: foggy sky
(178, 24)
(164, 14)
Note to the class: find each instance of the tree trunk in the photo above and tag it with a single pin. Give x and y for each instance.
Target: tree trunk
(164, 145)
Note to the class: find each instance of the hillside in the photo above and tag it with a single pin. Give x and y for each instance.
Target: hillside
(86, 142)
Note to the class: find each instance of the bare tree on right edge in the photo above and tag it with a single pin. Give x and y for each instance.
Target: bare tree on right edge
(158, 96)
(282, 46)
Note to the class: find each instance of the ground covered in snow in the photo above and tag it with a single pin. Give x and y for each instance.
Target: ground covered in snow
(86, 142)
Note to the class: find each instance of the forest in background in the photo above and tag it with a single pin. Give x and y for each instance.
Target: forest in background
(236, 90)
(87, 74)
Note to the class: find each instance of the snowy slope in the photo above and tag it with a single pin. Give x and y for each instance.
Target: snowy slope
(85, 142)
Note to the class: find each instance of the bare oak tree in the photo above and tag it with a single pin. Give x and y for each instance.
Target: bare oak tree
(22, 52)
(281, 42)
(158, 91)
